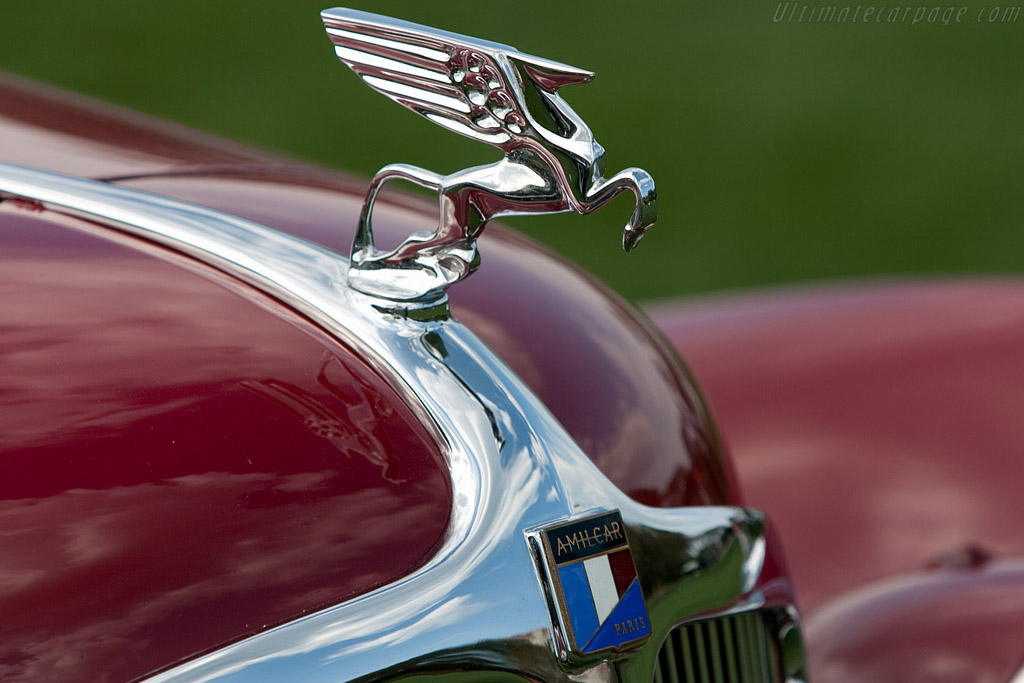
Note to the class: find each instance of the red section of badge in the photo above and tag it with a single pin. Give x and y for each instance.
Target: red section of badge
(623, 569)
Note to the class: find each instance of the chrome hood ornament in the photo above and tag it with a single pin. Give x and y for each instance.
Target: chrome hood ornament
(488, 92)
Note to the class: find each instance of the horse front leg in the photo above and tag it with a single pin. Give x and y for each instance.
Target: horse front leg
(645, 213)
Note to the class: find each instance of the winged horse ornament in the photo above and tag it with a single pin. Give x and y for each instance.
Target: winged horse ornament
(488, 92)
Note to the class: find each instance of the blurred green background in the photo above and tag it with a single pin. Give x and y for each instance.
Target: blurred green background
(783, 151)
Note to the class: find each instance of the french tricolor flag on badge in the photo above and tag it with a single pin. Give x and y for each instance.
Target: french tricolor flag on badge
(595, 583)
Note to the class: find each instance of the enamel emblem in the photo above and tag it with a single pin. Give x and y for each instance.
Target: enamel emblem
(593, 579)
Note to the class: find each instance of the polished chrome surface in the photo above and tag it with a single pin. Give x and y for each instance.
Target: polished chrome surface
(488, 92)
(477, 605)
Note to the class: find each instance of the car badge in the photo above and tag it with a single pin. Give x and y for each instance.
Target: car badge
(587, 568)
(488, 92)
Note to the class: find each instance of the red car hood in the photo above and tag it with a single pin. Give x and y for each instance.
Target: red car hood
(184, 462)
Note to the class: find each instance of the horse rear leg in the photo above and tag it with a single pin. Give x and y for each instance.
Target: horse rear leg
(363, 246)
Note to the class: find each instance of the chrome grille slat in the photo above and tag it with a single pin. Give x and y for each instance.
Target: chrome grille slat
(728, 630)
(755, 647)
(764, 666)
(687, 658)
(749, 650)
(742, 649)
(737, 648)
(716, 651)
(762, 649)
(672, 673)
(702, 660)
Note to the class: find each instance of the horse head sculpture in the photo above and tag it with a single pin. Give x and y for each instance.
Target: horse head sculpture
(492, 93)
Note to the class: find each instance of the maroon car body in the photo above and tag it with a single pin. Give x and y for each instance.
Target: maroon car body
(176, 448)
(146, 397)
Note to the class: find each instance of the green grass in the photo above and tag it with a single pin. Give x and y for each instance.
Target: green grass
(782, 151)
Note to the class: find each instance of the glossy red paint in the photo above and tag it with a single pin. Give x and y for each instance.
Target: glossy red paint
(942, 626)
(879, 425)
(184, 462)
(605, 373)
(55, 130)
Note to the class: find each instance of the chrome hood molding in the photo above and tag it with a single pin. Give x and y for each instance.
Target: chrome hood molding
(477, 606)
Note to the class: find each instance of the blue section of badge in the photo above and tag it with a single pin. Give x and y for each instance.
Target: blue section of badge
(579, 602)
(627, 622)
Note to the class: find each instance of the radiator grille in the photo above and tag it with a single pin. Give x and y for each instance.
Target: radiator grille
(735, 649)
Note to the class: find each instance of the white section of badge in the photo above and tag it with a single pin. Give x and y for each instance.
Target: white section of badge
(602, 585)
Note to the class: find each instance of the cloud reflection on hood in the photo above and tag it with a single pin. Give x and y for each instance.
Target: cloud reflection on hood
(183, 463)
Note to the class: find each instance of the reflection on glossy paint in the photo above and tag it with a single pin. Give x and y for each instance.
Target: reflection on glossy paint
(155, 502)
(92, 534)
(358, 430)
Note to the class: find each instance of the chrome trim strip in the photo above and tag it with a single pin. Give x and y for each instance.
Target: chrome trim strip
(478, 603)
